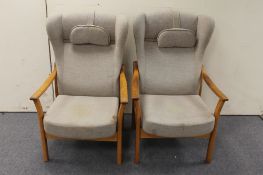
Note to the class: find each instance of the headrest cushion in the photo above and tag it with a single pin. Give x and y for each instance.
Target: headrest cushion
(89, 34)
(176, 37)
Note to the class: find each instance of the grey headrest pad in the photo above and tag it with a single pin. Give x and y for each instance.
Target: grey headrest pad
(176, 37)
(89, 34)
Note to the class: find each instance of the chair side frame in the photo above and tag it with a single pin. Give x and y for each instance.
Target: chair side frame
(137, 113)
(117, 137)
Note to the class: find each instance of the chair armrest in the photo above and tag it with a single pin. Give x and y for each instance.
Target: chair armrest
(45, 85)
(123, 86)
(213, 86)
(135, 81)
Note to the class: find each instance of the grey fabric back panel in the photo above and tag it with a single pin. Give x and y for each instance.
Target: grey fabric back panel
(107, 21)
(170, 71)
(88, 70)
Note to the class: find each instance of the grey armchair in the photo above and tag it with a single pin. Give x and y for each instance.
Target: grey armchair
(167, 78)
(90, 82)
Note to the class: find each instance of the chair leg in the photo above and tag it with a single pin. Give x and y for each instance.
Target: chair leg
(119, 134)
(137, 145)
(211, 145)
(212, 138)
(119, 151)
(137, 141)
(43, 142)
(43, 138)
(44, 149)
(133, 116)
(137, 118)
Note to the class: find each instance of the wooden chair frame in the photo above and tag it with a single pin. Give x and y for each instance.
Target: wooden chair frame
(137, 114)
(45, 136)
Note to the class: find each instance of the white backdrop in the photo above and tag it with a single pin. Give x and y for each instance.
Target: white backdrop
(23, 53)
(233, 59)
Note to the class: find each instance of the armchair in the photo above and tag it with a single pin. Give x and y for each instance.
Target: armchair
(89, 77)
(167, 78)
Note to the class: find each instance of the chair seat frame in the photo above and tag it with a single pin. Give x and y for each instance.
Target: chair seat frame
(137, 112)
(44, 136)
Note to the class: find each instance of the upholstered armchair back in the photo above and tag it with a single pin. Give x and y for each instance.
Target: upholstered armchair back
(170, 47)
(88, 51)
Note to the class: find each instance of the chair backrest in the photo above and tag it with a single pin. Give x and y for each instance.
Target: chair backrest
(88, 51)
(170, 47)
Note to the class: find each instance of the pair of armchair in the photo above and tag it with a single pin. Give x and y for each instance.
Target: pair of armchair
(91, 86)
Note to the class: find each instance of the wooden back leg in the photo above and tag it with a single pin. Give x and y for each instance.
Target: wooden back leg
(138, 131)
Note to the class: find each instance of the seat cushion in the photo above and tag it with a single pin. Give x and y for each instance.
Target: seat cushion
(176, 116)
(82, 117)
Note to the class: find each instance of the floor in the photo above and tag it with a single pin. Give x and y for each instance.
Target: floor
(239, 151)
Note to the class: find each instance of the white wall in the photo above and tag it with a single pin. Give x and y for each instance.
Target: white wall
(233, 58)
(24, 61)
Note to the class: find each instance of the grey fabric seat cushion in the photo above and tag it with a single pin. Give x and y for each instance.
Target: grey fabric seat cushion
(82, 117)
(176, 115)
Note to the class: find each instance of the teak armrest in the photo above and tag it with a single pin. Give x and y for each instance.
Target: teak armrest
(123, 86)
(135, 81)
(45, 85)
(213, 86)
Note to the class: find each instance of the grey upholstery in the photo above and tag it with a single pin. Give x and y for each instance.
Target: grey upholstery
(87, 69)
(87, 73)
(82, 117)
(89, 34)
(172, 71)
(176, 37)
(176, 115)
